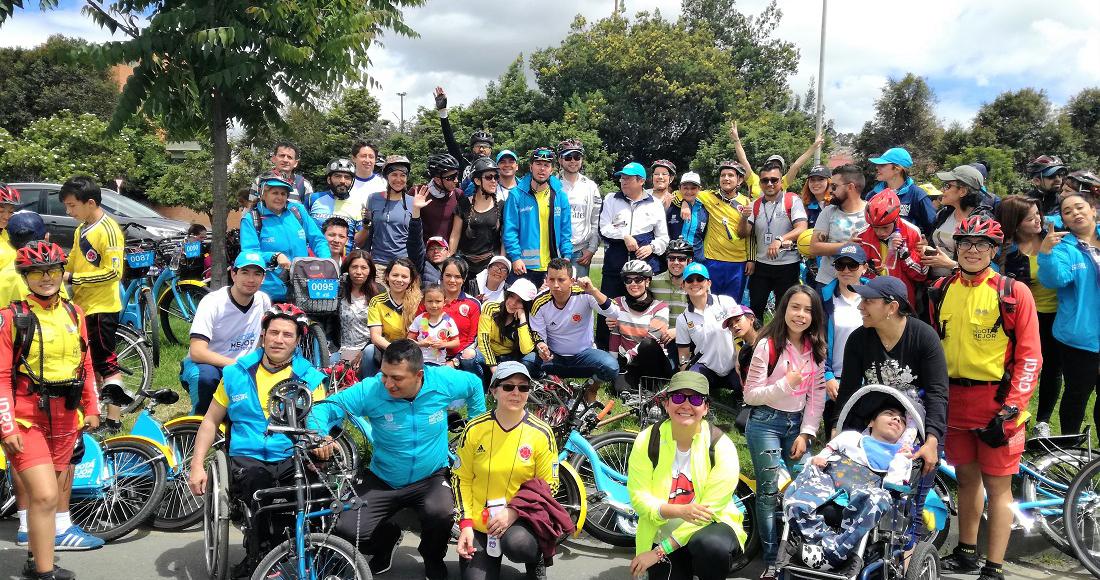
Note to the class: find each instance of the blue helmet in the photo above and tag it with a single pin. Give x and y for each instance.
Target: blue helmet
(23, 227)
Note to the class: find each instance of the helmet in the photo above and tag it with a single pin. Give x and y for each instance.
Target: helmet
(543, 154)
(680, 246)
(670, 166)
(883, 209)
(980, 226)
(570, 145)
(482, 165)
(730, 164)
(273, 178)
(523, 288)
(396, 162)
(8, 195)
(39, 254)
(25, 226)
(482, 137)
(1043, 163)
(636, 268)
(441, 163)
(340, 165)
(289, 312)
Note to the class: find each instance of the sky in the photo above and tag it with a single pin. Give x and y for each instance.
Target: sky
(968, 50)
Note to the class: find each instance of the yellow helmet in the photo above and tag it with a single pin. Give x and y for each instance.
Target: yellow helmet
(804, 242)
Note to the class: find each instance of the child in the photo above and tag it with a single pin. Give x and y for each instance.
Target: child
(836, 470)
(434, 330)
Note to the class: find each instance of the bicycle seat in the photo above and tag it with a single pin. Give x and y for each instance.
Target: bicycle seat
(113, 394)
(1053, 442)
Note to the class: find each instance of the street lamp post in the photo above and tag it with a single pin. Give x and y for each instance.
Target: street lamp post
(820, 81)
(402, 95)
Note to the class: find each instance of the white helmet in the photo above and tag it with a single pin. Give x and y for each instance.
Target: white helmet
(524, 289)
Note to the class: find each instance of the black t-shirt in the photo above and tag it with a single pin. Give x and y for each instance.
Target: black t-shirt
(916, 362)
(480, 230)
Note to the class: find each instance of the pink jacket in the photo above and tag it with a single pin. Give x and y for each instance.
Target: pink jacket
(773, 391)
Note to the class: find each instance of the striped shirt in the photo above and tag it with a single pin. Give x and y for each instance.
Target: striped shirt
(632, 327)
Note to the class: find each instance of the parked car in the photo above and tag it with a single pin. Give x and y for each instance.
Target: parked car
(43, 198)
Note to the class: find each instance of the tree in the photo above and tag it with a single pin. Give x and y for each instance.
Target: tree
(904, 117)
(1003, 177)
(189, 183)
(786, 133)
(1024, 121)
(1082, 112)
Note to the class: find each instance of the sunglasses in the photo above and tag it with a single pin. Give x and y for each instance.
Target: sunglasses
(634, 279)
(769, 180)
(694, 279)
(450, 177)
(490, 176)
(694, 399)
(572, 157)
(509, 387)
(842, 265)
(36, 275)
(678, 258)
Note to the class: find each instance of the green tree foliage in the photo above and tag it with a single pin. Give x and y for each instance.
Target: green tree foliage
(1083, 115)
(1003, 177)
(904, 117)
(1024, 120)
(188, 183)
(787, 133)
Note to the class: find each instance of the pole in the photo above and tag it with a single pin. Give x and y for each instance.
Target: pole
(402, 95)
(820, 81)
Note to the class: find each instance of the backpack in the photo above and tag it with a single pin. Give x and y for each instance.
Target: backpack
(26, 323)
(788, 203)
(258, 220)
(654, 449)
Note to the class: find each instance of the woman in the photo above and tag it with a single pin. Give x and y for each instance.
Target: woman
(815, 193)
(842, 316)
(40, 430)
(1024, 229)
(465, 311)
(1069, 262)
(355, 294)
(502, 331)
(475, 234)
(387, 216)
(786, 387)
(489, 285)
(640, 331)
(700, 327)
(501, 454)
(390, 313)
(687, 524)
(962, 197)
(663, 172)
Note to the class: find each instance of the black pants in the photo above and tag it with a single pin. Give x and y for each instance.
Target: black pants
(1050, 378)
(651, 361)
(1081, 377)
(708, 555)
(431, 498)
(246, 477)
(767, 279)
(519, 544)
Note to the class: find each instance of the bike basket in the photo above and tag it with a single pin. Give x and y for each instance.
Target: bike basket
(315, 285)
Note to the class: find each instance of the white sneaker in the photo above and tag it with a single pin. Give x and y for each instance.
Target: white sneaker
(1042, 429)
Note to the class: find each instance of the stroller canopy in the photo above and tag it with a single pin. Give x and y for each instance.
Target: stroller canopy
(864, 403)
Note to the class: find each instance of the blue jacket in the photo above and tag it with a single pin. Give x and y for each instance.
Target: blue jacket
(1072, 272)
(285, 234)
(916, 206)
(827, 293)
(521, 234)
(410, 437)
(248, 423)
(693, 230)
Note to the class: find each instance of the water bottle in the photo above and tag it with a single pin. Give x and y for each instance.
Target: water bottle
(892, 255)
(492, 543)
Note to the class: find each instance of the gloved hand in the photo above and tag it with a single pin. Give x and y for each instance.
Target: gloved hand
(1000, 428)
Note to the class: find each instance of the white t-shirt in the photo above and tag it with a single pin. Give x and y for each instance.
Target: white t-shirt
(365, 187)
(444, 330)
(846, 318)
(838, 226)
(569, 330)
(704, 330)
(682, 491)
(230, 329)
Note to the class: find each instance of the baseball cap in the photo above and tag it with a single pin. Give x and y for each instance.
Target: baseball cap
(500, 260)
(689, 380)
(851, 252)
(523, 288)
(966, 174)
(437, 240)
(775, 159)
(691, 177)
(887, 287)
(820, 171)
(696, 268)
(507, 153)
(507, 369)
(735, 312)
(633, 168)
(249, 259)
(896, 155)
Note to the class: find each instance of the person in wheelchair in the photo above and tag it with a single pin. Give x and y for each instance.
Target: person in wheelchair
(257, 459)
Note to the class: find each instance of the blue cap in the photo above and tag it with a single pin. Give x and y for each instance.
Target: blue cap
(696, 268)
(633, 168)
(249, 259)
(852, 252)
(25, 226)
(896, 155)
(507, 153)
(887, 287)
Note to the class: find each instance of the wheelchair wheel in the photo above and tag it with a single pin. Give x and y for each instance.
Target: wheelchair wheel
(604, 522)
(924, 563)
(326, 555)
(135, 360)
(180, 508)
(313, 346)
(746, 500)
(132, 489)
(1059, 468)
(215, 517)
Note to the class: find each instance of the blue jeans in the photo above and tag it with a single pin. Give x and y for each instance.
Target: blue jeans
(201, 381)
(770, 434)
(579, 270)
(586, 364)
(487, 374)
(368, 367)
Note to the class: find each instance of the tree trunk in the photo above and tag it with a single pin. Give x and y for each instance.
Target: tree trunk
(219, 135)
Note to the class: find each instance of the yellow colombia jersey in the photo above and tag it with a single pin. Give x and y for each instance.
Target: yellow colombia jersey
(57, 342)
(7, 253)
(381, 312)
(974, 349)
(493, 463)
(96, 265)
(492, 343)
(721, 241)
(265, 381)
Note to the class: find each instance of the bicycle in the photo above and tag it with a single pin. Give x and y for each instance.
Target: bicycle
(135, 361)
(1082, 508)
(176, 298)
(139, 309)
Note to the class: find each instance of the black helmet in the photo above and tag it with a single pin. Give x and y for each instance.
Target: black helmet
(679, 246)
(481, 137)
(482, 165)
(670, 166)
(340, 166)
(393, 162)
(441, 163)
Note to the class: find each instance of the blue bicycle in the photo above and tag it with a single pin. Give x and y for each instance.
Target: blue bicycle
(176, 298)
(139, 309)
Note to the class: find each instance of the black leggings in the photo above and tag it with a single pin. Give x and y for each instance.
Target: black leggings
(1081, 380)
(708, 555)
(519, 544)
(651, 361)
(1050, 378)
(766, 279)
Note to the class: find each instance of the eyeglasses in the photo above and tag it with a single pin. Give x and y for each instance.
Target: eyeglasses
(694, 279)
(679, 398)
(678, 259)
(509, 387)
(980, 245)
(635, 279)
(572, 157)
(834, 186)
(769, 180)
(948, 186)
(38, 275)
(490, 176)
(842, 265)
(451, 177)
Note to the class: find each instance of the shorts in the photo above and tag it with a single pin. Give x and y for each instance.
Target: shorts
(963, 448)
(102, 338)
(44, 446)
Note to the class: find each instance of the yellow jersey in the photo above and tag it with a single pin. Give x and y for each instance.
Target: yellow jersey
(58, 348)
(7, 252)
(974, 349)
(96, 262)
(542, 199)
(381, 311)
(721, 241)
(492, 343)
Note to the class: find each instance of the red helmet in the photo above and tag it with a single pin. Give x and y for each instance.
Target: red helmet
(39, 254)
(8, 195)
(979, 226)
(883, 209)
(287, 311)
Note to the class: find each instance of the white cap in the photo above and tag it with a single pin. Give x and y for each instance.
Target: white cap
(691, 177)
(523, 288)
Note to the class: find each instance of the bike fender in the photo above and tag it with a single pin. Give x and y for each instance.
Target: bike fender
(196, 419)
(179, 282)
(169, 457)
(748, 481)
(565, 466)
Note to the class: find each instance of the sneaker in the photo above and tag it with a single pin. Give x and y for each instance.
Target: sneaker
(55, 574)
(988, 574)
(770, 573)
(22, 538)
(382, 560)
(1042, 429)
(435, 570)
(536, 571)
(75, 539)
(107, 427)
(959, 563)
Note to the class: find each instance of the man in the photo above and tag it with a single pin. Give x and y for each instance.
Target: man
(438, 215)
(9, 202)
(561, 324)
(284, 158)
(481, 142)
(407, 404)
(892, 172)
(1046, 172)
(753, 180)
(839, 223)
(365, 155)
(537, 224)
(725, 249)
(585, 201)
(508, 165)
(633, 223)
(339, 201)
(95, 271)
(257, 459)
(686, 215)
(776, 219)
(990, 334)
(226, 327)
(668, 287)
(336, 229)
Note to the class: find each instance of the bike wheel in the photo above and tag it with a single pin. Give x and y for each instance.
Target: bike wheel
(131, 490)
(313, 346)
(180, 508)
(135, 360)
(215, 517)
(7, 492)
(924, 563)
(150, 322)
(604, 522)
(1059, 467)
(326, 555)
(176, 316)
(745, 498)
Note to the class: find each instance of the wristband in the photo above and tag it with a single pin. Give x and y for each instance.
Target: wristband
(666, 546)
(465, 523)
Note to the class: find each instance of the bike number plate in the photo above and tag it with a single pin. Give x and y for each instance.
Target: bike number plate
(323, 289)
(192, 249)
(140, 259)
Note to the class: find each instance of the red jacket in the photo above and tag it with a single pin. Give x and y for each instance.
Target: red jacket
(466, 312)
(908, 270)
(534, 503)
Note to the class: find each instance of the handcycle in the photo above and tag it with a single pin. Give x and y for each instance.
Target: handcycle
(313, 284)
